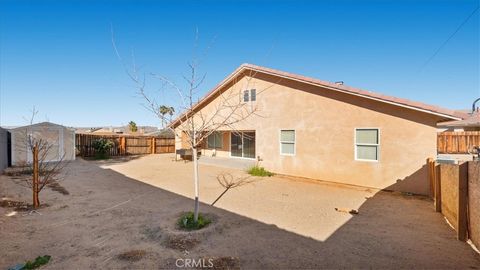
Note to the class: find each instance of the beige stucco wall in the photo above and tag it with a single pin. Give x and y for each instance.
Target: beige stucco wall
(54, 135)
(325, 121)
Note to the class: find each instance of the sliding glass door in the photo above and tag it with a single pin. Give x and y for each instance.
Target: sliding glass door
(242, 144)
(236, 145)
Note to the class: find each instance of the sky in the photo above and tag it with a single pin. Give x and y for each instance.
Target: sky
(57, 56)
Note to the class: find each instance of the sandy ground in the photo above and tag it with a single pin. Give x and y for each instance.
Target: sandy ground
(120, 206)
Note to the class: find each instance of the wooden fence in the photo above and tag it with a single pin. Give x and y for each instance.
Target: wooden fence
(125, 145)
(457, 142)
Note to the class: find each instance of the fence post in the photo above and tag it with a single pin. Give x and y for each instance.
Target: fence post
(153, 145)
(462, 218)
(431, 175)
(437, 189)
(123, 145)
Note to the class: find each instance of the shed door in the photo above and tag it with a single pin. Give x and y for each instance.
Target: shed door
(54, 141)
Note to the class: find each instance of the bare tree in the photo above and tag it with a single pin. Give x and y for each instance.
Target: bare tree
(44, 168)
(193, 125)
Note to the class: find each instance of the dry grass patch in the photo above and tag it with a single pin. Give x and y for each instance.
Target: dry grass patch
(7, 203)
(132, 255)
(225, 263)
(181, 242)
(19, 205)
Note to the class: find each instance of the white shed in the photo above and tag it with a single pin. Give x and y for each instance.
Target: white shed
(61, 142)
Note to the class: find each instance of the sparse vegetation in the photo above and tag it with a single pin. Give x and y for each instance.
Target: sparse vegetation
(102, 146)
(231, 263)
(39, 261)
(259, 171)
(186, 221)
(132, 255)
(181, 242)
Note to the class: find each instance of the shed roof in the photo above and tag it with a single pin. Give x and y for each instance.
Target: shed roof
(40, 124)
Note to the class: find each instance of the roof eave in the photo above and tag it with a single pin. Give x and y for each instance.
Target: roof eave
(289, 76)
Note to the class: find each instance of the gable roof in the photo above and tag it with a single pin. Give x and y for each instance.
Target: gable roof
(405, 103)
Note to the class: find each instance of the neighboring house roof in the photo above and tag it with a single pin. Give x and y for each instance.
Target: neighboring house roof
(164, 133)
(472, 121)
(85, 130)
(418, 106)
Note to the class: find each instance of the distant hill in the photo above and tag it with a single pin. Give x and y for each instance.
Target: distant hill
(125, 130)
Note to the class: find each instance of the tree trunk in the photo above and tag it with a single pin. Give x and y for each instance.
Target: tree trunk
(35, 187)
(196, 179)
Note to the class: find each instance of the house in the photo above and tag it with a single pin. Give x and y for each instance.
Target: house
(60, 139)
(328, 131)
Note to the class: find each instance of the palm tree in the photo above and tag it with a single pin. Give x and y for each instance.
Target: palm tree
(132, 126)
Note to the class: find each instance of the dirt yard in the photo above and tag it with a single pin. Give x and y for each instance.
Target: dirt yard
(121, 214)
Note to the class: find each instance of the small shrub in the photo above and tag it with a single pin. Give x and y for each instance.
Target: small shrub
(259, 171)
(39, 261)
(186, 221)
(102, 146)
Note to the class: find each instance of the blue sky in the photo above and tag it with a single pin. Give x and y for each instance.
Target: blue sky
(58, 56)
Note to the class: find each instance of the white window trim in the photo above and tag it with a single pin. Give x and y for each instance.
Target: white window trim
(294, 142)
(366, 144)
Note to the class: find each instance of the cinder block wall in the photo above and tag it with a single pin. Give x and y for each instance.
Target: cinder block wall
(474, 201)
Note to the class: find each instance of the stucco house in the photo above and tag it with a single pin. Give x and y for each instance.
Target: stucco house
(328, 131)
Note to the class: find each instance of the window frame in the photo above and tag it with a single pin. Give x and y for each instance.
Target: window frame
(377, 145)
(215, 142)
(253, 90)
(246, 94)
(289, 142)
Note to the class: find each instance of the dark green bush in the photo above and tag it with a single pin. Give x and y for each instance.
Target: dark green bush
(186, 221)
(259, 171)
(102, 146)
(39, 261)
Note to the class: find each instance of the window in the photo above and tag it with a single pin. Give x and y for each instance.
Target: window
(245, 96)
(215, 140)
(287, 142)
(367, 143)
(250, 95)
(253, 94)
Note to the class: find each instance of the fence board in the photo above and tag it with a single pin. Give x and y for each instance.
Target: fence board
(457, 142)
(124, 144)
